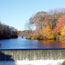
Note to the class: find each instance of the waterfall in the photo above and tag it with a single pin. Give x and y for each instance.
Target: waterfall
(34, 54)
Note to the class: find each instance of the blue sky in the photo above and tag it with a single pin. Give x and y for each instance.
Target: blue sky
(16, 13)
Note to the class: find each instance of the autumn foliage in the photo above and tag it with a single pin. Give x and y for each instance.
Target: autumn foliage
(49, 26)
(60, 24)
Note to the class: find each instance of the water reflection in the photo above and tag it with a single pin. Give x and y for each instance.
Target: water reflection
(0, 44)
(53, 44)
(20, 43)
(62, 44)
(5, 59)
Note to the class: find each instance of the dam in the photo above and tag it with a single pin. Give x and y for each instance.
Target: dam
(14, 50)
(33, 54)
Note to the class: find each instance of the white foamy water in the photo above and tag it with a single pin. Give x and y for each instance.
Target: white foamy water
(33, 62)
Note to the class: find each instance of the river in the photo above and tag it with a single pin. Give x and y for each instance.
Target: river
(16, 50)
(19, 43)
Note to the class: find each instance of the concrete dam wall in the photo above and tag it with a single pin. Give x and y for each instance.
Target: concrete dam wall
(31, 55)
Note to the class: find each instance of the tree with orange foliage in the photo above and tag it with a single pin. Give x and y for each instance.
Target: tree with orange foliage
(60, 29)
(48, 33)
(60, 24)
(62, 33)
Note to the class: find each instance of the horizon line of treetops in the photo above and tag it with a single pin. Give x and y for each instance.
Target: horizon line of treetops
(7, 32)
(49, 26)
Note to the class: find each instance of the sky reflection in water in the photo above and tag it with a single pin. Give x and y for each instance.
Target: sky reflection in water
(20, 43)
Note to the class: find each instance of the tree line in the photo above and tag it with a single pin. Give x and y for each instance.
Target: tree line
(7, 32)
(49, 25)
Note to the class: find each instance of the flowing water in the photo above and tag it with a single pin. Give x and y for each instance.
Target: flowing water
(22, 49)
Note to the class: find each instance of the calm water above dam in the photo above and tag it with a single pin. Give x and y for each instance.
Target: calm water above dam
(49, 57)
(20, 43)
